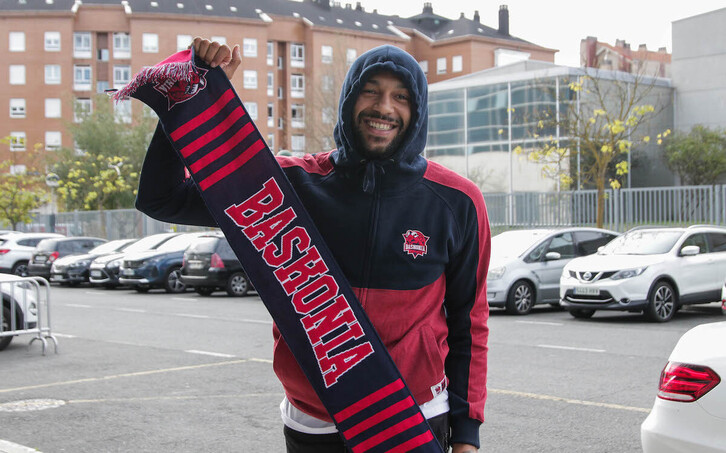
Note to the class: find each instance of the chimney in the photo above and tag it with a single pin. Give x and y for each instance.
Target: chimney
(504, 20)
(358, 6)
(428, 9)
(476, 16)
(642, 48)
(461, 16)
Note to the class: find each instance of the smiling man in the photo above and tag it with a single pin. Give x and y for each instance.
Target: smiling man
(411, 237)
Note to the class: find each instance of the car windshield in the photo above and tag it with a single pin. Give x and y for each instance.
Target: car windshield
(514, 243)
(643, 242)
(204, 245)
(146, 243)
(108, 247)
(180, 242)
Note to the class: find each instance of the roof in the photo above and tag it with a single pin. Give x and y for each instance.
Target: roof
(314, 12)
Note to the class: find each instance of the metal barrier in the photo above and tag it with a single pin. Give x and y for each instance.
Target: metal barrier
(25, 310)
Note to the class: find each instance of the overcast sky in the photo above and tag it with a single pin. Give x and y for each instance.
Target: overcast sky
(561, 24)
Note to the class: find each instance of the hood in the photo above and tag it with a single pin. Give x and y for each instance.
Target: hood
(140, 256)
(408, 155)
(66, 260)
(108, 258)
(597, 263)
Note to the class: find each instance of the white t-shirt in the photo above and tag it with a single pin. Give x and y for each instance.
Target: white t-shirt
(298, 420)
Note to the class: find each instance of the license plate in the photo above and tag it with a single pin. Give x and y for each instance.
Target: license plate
(95, 274)
(40, 259)
(196, 264)
(128, 272)
(580, 291)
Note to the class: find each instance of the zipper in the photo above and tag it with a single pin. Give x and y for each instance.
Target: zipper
(372, 235)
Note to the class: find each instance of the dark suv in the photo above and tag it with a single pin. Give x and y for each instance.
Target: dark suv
(211, 265)
(49, 250)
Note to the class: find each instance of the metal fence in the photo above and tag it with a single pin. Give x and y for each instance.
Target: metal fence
(624, 209)
(26, 310)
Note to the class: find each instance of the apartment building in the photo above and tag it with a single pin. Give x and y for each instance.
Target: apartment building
(620, 57)
(57, 55)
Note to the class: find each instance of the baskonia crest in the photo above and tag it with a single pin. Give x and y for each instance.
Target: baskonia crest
(414, 243)
(177, 91)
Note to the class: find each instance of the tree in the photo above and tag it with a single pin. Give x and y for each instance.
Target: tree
(698, 157)
(603, 128)
(20, 192)
(104, 174)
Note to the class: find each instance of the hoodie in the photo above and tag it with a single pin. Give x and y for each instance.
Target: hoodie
(411, 236)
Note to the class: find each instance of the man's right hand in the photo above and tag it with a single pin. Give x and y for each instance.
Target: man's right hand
(216, 54)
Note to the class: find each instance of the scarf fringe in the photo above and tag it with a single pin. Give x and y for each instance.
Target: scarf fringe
(179, 71)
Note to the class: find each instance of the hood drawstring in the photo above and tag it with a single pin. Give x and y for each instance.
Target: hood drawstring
(373, 169)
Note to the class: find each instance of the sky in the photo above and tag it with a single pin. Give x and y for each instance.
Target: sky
(561, 24)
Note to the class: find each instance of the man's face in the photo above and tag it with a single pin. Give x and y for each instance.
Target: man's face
(381, 115)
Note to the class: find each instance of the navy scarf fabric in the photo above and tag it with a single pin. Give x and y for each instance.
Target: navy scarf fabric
(284, 255)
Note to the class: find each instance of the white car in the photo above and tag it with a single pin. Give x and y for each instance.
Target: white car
(649, 270)
(689, 413)
(16, 250)
(19, 307)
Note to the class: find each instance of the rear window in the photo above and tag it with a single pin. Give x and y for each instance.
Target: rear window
(177, 243)
(204, 245)
(30, 242)
(48, 245)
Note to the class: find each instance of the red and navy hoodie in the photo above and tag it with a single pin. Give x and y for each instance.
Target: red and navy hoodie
(411, 236)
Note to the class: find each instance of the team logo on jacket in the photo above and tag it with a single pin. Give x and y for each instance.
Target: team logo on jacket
(414, 243)
(177, 91)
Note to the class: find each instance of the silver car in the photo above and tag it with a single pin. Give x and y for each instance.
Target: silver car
(526, 265)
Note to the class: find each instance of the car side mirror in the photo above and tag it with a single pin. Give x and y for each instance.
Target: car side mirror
(552, 256)
(690, 250)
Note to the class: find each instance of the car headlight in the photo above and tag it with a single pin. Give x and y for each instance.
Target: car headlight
(496, 273)
(628, 273)
(114, 264)
(83, 263)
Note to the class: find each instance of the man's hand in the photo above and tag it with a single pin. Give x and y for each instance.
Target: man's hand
(463, 448)
(216, 54)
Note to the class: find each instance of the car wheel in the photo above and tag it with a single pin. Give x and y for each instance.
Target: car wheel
(582, 313)
(204, 290)
(238, 285)
(172, 282)
(20, 268)
(661, 303)
(5, 341)
(520, 299)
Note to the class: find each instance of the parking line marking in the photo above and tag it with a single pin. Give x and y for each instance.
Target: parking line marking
(256, 321)
(62, 335)
(172, 398)
(569, 348)
(125, 375)
(131, 310)
(542, 323)
(569, 400)
(213, 354)
(185, 299)
(78, 306)
(95, 293)
(186, 315)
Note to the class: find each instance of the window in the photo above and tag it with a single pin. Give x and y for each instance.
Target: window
(270, 53)
(297, 85)
(16, 41)
(270, 83)
(121, 76)
(298, 143)
(52, 108)
(424, 66)
(82, 108)
(280, 92)
(350, 56)
(17, 108)
(718, 242)
(441, 66)
(17, 74)
(326, 83)
(249, 47)
(270, 115)
(18, 170)
(563, 245)
(589, 241)
(52, 41)
(220, 39)
(52, 74)
(121, 45)
(328, 115)
(298, 115)
(82, 45)
(457, 63)
(122, 109)
(150, 43)
(326, 54)
(252, 110)
(102, 54)
(52, 140)
(271, 142)
(250, 80)
(297, 55)
(81, 77)
(17, 141)
(183, 42)
(280, 62)
(102, 86)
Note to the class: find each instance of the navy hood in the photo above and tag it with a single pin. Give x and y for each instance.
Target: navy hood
(394, 60)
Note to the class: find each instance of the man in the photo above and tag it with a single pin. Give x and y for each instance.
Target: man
(411, 237)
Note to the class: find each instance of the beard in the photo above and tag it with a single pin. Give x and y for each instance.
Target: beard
(377, 147)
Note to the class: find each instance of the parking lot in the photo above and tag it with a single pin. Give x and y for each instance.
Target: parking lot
(181, 372)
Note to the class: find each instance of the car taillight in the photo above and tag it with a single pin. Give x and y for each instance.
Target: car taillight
(184, 260)
(217, 261)
(686, 383)
(53, 256)
(4, 251)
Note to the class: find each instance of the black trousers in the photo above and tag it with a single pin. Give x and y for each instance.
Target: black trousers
(298, 442)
